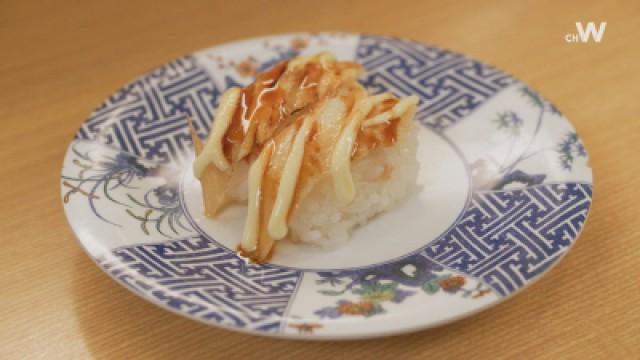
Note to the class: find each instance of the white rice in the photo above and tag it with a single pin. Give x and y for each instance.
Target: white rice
(320, 219)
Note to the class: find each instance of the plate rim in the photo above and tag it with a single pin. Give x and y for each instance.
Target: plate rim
(380, 332)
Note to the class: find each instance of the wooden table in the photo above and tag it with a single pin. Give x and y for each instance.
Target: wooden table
(59, 60)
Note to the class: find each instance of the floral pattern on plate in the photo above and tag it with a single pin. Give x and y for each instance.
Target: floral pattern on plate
(530, 193)
(391, 283)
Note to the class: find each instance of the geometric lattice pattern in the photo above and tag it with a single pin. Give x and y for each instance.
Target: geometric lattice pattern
(504, 238)
(508, 237)
(198, 277)
(148, 116)
(449, 85)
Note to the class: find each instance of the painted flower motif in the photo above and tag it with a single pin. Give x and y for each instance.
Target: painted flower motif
(480, 293)
(331, 279)
(400, 295)
(299, 43)
(128, 162)
(452, 282)
(246, 68)
(507, 172)
(358, 308)
(329, 312)
(554, 110)
(112, 176)
(509, 121)
(162, 216)
(375, 288)
(569, 149)
(167, 195)
(413, 271)
(377, 293)
(350, 308)
(538, 101)
(306, 328)
(534, 97)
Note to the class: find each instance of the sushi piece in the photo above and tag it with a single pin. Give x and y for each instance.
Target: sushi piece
(309, 151)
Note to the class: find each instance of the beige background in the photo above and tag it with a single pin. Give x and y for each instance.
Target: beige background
(59, 59)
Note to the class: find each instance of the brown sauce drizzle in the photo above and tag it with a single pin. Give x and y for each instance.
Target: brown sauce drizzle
(251, 256)
(385, 134)
(260, 101)
(273, 107)
(265, 108)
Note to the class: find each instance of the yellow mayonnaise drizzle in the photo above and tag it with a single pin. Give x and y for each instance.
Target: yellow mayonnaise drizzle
(344, 122)
(249, 240)
(278, 221)
(396, 111)
(213, 151)
(341, 159)
(325, 59)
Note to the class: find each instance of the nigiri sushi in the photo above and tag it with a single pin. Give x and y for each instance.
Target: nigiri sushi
(309, 151)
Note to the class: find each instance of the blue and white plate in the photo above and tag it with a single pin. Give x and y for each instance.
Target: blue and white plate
(506, 189)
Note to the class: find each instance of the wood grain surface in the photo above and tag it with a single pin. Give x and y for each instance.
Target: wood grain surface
(59, 59)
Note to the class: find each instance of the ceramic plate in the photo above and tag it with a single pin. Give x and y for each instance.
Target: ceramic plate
(506, 188)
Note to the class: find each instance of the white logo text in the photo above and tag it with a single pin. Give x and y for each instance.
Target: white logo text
(585, 33)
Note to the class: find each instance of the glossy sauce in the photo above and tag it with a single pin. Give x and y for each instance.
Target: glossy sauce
(384, 134)
(260, 101)
(282, 107)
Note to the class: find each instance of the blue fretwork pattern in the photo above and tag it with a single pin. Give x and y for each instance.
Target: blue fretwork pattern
(508, 237)
(450, 86)
(197, 277)
(147, 117)
(504, 238)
